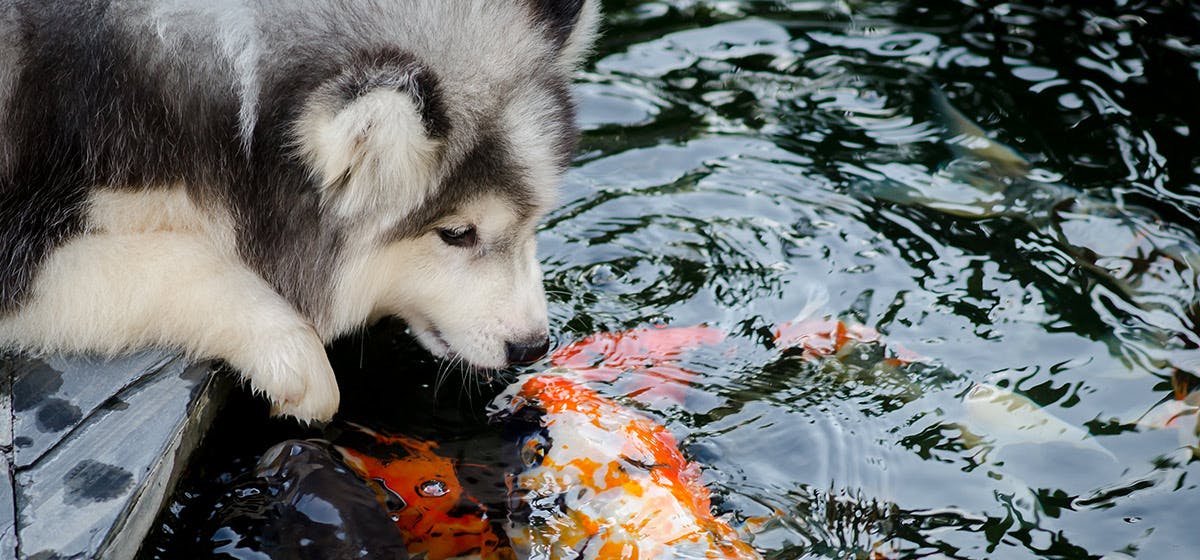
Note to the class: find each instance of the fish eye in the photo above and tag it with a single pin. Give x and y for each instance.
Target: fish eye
(433, 488)
(533, 451)
(463, 236)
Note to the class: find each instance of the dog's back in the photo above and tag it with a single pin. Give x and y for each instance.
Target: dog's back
(206, 94)
(308, 135)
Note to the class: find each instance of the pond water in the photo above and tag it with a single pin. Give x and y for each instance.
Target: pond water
(1011, 191)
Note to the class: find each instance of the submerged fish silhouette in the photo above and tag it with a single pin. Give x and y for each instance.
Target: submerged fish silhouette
(1010, 418)
(648, 360)
(821, 338)
(1127, 247)
(301, 502)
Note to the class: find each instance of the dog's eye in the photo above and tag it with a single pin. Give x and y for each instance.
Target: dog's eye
(458, 237)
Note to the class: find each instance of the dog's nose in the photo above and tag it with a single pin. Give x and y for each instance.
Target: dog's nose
(524, 352)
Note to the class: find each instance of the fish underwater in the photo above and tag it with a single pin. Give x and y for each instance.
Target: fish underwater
(591, 478)
(994, 417)
(1010, 418)
(424, 498)
(643, 363)
(300, 501)
(1150, 261)
(365, 495)
(603, 481)
(826, 338)
(1179, 412)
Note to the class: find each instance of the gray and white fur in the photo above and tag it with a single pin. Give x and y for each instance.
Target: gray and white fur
(248, 180)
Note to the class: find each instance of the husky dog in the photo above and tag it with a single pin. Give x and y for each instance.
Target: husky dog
(248, 179)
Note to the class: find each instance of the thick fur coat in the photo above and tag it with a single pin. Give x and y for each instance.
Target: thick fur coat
(248, 180)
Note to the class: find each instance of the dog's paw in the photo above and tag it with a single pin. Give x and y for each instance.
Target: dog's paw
(293, 371)
(316, 403)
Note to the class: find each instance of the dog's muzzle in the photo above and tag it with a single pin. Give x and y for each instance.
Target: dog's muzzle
(524, 352)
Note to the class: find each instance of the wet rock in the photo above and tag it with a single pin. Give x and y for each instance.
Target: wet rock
(54, 395)
(57, 415)
(93, 447)
(8, 510)
(93, 481)
(6, 407)
(34, 384)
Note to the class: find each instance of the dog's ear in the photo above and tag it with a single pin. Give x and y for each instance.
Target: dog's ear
(570, 24)
(371, 135)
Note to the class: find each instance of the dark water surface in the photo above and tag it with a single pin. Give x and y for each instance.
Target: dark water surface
(744, 161)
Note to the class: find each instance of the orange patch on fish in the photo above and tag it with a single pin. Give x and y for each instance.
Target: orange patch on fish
(426, 501)
(651, 351)
(821, 338)
(620, 486)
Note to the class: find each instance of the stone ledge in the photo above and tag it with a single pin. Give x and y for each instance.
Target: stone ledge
(93, 448)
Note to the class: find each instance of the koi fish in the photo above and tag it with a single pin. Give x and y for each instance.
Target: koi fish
(651, 354)
(300, 501)
(1181, 412)
(598, 479)
(425, 499)
(602, 481)
(654, 354)
(1012, 418)
(1173, 415)
(822, 338)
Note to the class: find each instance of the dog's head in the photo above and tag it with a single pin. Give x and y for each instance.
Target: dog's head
(441, 154)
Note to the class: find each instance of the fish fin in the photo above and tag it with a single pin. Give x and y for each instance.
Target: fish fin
(967, 139)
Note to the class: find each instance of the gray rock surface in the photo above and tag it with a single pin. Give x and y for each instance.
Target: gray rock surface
(92, 448)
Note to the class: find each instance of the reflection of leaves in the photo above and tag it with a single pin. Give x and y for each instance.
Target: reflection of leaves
(920, 530)
(1052, 502)
(1103, 499)
(837, 524)
(1110, 427)
(950, 443)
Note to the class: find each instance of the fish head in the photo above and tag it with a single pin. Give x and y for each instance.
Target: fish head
(425, 498)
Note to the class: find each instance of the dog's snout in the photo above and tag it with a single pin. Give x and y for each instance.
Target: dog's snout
(522, 352)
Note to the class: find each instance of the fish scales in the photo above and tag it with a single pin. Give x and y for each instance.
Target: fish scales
(603, 481)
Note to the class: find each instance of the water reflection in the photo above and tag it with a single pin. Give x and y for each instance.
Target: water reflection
(1008, 190)
(1057, 267)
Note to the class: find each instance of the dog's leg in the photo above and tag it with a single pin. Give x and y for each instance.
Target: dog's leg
(112, 292)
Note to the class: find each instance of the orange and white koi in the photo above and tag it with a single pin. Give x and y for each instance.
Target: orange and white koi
(598, 480)
(602, 481)
(647, 358)
(658, 351)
